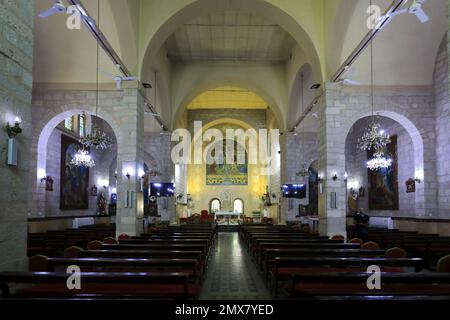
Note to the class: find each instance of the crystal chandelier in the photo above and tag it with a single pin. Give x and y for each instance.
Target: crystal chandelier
(303, 171)
(82, 159)
(97, 139)
(379, 162)
(374, 138)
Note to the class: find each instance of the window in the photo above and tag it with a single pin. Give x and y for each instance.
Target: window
(238, 206)
(68, 123)
(82, 125)
(214, 205)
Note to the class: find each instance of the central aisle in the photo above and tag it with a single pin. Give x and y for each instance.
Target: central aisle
(231, 273)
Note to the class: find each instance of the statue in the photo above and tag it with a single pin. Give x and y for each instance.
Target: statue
(101, 204)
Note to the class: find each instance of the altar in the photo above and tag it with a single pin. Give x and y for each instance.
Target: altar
(227, 217)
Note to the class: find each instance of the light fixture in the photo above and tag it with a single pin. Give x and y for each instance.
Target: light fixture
(335, 176)
(82, 159)
(97, 139)
(303, 171)
(374, 138)
(154, 172)
(379, 162)
(13, 131)
(345, 176)
(128, 175)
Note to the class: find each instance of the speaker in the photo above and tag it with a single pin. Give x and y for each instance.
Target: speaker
(12, 152)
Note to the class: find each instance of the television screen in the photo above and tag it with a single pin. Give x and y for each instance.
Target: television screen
(294, 191)
(161, 189)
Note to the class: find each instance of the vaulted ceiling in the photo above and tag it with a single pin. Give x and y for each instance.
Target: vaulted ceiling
(228, 97)
(231, 36)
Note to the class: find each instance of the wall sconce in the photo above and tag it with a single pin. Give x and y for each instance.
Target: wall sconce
(128, 176)
(14, 130)
(417, 180)
(345, 176)
(335, 177)
(320, 177)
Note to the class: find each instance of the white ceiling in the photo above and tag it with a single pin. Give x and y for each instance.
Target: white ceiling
(230, 35)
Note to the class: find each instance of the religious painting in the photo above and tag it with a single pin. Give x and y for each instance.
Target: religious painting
(74, 194)
(383, 182)
(48, 183)
(222, 173)
(94, 191)
(410, 186)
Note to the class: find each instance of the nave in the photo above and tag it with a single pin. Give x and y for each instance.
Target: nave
(259, 262)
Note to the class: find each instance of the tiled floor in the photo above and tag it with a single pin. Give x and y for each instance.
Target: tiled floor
(231, 273)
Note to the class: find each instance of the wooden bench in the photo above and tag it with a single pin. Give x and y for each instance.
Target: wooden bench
(287, 267)
(354, 284)
(189, 266)
(269, 255)
(157, 285)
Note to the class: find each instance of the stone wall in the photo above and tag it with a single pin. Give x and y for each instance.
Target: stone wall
(157, 156)
(442, 116)
(16, 56)
(300, 148)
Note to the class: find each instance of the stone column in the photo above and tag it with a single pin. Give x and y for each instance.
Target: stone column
(16, 59)
(332, 202)
(130, 164)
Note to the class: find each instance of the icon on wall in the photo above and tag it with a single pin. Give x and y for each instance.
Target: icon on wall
(48, 183)
(410, 186)
(94, 191)
(362, 192)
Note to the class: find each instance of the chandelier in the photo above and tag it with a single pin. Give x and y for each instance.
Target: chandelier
(82, 159)
(379, 162)
(373, 138)
(153, 172)
(97, 139)
(303, 171)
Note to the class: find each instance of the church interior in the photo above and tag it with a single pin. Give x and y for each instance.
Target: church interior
(225, 149)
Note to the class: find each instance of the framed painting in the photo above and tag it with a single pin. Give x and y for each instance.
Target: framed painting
(74, 183)
(383, 183)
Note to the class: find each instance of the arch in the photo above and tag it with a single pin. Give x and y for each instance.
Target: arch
(50, 118)
(215, 205)
(238, 206)
(417, 141)
(295, 93)
(196, 78)
(409, 126)
(158, 31)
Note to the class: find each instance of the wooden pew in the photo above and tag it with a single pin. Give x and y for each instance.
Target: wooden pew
(269, 255)
(156, 246)
(307, 285)
(325, 243)
(157, 285)
(189, 266)
(287, 267)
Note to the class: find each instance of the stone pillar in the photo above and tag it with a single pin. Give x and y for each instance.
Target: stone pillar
(130, 164)
(332, 202)
(16, 59)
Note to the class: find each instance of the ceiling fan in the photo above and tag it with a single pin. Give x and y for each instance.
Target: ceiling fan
(118, 79)
(415, 9)
(58, 7)
(347, 80)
